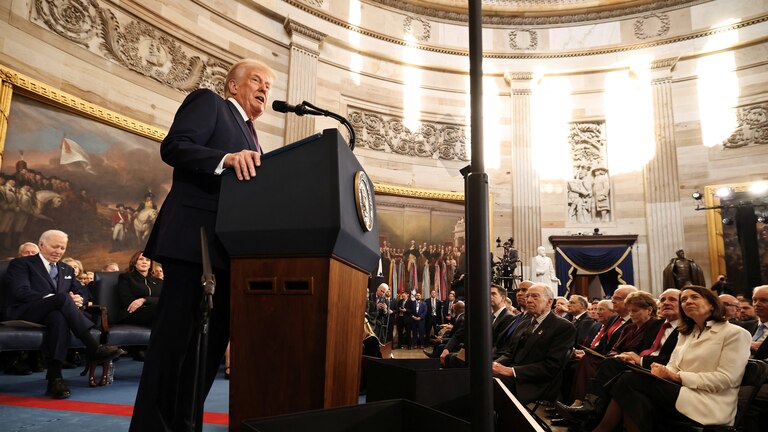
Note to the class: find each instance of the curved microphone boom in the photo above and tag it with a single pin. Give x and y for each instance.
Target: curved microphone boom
(306, 108)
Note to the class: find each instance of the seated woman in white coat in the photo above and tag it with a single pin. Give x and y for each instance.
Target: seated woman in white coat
(702, 377)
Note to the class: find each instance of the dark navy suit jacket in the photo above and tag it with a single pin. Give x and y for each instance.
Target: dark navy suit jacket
(28, 280)
(205, 129)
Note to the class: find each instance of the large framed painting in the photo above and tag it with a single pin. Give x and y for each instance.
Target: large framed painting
(71, 165)
(723, 233)
(421, 233)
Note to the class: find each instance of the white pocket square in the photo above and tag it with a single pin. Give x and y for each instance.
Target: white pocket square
(67, 277)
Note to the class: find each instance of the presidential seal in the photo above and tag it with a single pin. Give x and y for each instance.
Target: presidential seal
(364, 200)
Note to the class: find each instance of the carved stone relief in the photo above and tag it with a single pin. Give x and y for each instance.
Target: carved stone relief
(417, 27)
(134, 44)
(523, 39)
(752, 127)
(652, 25)
(387, 133)
(315, 3)
(589, 192)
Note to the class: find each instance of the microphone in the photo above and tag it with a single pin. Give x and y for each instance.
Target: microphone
(306, 108)
(299, 110)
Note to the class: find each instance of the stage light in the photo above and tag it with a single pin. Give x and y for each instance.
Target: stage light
(758, 188)
(727, 221)
(697, 196)
(724, 192)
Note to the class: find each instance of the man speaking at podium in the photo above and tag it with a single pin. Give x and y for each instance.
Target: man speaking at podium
(208, 136)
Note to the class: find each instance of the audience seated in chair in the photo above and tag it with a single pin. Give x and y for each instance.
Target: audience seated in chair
(700, 382)
(636, 336)
(535, 360)
(44, 291)
(665, 340)
(139, 292)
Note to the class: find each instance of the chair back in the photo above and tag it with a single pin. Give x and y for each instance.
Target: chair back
(755, 375)
(105, 293)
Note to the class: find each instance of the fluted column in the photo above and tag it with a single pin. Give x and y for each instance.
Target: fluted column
(526, 212)
(662, 208)
(302, 77)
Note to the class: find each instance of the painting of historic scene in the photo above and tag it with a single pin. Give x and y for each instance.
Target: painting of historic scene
(100, 184)
(421, 242)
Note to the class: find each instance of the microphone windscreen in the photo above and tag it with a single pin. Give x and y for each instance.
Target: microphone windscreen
(280, 106)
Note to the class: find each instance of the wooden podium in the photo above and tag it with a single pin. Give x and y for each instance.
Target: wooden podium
(301, 255)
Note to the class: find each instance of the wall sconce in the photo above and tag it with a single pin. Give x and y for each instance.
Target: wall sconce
(727, 221)
(697, 196)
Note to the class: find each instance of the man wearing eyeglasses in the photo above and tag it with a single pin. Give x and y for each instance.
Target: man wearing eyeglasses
(731, 308)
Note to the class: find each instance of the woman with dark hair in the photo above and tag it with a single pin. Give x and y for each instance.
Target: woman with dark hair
(701, 381)
(139, 292)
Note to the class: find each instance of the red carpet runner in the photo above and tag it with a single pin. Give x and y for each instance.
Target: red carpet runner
(92, 407)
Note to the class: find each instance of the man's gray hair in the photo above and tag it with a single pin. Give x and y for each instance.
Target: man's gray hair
(28, 244)
(607, 304)
(582, 300)
(547, 289)
(50, 233)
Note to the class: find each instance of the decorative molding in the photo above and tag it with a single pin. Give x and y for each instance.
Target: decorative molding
(131, 43)
(752, 127)
(387, 133)
(387, 189)
(292, 27)
(426, 28)
(533, 39)
(38, 90)
(524, 17)
(316, 3)
(662, 21)
(589, 192)
(528, 55)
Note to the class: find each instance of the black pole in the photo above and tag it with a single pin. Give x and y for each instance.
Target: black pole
(746, 230)
(478, 241)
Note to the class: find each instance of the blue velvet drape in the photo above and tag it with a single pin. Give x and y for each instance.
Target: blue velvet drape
(613, 265)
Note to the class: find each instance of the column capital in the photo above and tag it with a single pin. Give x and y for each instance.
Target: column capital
(518, 77)
(661, 69)
(302, 34)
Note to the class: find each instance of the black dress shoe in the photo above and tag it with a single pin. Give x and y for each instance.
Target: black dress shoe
(57, 389)
(105, 353)
(574, 413)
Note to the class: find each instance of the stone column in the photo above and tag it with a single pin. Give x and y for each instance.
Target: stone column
(662, 200)
(302, 77)
(526, 212)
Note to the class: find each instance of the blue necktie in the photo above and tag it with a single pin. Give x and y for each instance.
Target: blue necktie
(759, 333)
(54, 272)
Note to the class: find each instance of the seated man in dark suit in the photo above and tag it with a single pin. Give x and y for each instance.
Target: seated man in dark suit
(501, 320)
(529, 366)
(577, 307)
(457, 335)
(45, 291)
(505, 339)
(660, 351)
(759, 329)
